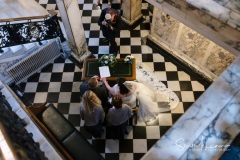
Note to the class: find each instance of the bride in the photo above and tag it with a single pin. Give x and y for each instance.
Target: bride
(152, 94)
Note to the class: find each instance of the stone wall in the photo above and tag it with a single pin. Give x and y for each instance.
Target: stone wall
(188, 45)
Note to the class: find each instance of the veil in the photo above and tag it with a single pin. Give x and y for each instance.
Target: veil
(153, 95)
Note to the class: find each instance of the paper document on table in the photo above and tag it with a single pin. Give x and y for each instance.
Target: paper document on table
(104, 71)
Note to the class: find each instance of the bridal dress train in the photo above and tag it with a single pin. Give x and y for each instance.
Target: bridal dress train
(153, 95)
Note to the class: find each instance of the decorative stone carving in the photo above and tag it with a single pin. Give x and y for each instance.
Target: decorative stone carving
(186, 43)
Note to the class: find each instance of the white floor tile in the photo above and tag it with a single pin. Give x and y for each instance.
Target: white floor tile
(135, 41)
(57, 67)
(153, 132)
(93, 42)
(165, 119)
(45, 77)
(187, 96)
(183, 76)
(74, 108)
(124, 33)
(125, 156)
(64, 97)
(67, 77)
(146, 49)
(75, 87)
(178, 109)
(139, 145)
(54, 87)
(174, 85)
(40, 97)
(196, 86)
(31, 87)
(170, 67)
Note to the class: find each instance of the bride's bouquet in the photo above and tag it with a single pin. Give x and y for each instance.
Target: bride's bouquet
(108, 60)
(128, 59)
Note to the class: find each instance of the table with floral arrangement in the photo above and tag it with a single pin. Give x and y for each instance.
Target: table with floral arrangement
(119, 67)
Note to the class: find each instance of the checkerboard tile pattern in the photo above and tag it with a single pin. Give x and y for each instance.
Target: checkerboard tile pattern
(58, 83)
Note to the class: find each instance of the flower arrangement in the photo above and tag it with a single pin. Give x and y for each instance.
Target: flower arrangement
(108, 60)
(128, 59)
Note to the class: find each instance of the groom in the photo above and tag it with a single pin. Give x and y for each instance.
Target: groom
(101, 92)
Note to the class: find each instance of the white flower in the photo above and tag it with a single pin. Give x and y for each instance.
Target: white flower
(106, 57)
(106, 62)
(125, 59)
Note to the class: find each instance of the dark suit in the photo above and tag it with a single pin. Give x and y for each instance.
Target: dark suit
(108, 33)
(101, 93)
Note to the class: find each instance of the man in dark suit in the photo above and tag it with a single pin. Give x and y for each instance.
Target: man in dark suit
(101, 92)
(110, 24)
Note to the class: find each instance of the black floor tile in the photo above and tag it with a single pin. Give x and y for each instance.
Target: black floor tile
(125, 41)
(151, 142)
(111, 156)
(63, 108)
(74, 119)
(139, 132)
(94, 34)
(52, 97)
(126, 146)
(66, 87)
(77, 77)
(147, 58)
(137, 156)
(99, 145)
(42, 87)
(164, 129)
(172, 76)
(185, 85)
(159, 66)
(175, 117)
(69, 67)
(75, 97)
(56, 77)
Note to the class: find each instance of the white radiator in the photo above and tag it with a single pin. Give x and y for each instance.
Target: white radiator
(33, 63)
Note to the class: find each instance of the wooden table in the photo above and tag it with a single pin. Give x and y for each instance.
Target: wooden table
(121, 69)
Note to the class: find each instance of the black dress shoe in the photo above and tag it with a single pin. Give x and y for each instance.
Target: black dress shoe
(105, 40)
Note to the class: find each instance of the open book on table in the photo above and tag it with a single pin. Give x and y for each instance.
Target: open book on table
(104, 71)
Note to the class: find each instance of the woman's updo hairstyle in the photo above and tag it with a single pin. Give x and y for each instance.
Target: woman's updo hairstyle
(122, 88)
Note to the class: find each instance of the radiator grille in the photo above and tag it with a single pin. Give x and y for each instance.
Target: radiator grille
(34, 62)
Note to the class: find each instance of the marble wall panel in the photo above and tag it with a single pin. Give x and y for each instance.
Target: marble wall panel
(218, 136)
(164, 27)
(216, 22)
(188, 43)
(218, 60)
(192, 44)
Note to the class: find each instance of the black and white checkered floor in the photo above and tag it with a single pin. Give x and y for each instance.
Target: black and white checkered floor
(58, 83)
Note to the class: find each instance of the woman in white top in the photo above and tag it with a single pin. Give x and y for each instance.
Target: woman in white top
(128, 96)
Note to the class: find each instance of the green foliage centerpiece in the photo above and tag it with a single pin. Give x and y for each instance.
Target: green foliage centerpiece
(108, 60)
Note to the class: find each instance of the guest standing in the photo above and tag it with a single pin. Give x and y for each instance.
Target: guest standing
(118, 116)
(110, 24)
(92, 113)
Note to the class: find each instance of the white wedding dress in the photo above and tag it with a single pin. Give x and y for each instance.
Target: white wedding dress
(152, 94)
